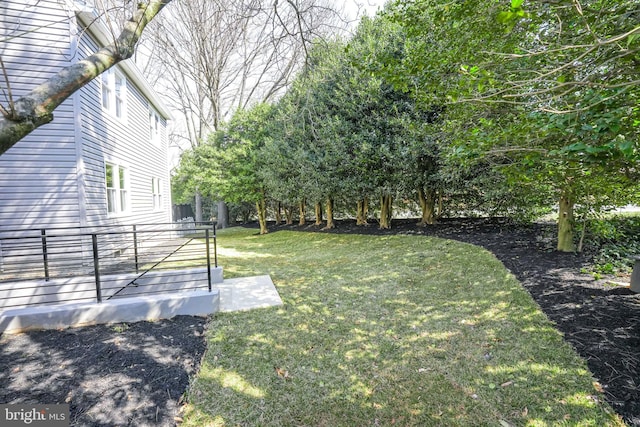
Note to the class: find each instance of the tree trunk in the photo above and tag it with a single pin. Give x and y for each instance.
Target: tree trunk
(330, 223)
(198, 207)
(385, 212)
(440, 206)
(303, 212)
(362, 212)
(565, 224)
(318, 214)
(261, 206)
(223, 215)
(427, 201)
(582, 235)
(278, 213)
(288, 213)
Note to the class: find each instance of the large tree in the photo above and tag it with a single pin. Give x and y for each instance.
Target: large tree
(213, 57)
(574, 66)
(574, 62)
(227, 164)
(23, 115)
(565, 50)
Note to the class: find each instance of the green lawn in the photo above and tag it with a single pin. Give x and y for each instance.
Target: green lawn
(386, 330)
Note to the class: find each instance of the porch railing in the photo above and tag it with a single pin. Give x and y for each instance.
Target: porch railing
(104, 262)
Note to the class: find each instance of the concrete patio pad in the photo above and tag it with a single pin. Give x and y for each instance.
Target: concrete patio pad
(246, 293)
(132, 309)
(240, 294)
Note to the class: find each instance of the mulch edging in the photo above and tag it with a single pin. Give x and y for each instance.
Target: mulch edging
(111, 375)
(135, 374)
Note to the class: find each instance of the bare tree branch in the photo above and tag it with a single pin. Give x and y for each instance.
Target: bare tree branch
(8, 95)
(234, 53)
(571, 50)
(36, 107)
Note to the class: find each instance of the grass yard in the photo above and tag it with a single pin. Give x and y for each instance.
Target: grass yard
(382, 331)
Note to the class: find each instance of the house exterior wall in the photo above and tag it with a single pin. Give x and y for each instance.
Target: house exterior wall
(125, 142)
(38, 176)
(55, 177)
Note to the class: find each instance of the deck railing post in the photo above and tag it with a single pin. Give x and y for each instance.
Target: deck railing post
(135, 248)
(96, 266)
(206, 239)
(45, 254)
(215, 246)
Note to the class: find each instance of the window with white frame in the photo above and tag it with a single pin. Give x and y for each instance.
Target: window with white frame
(156, 191)
(120, 93)
(114, 92)
(106, 91)
(154, 126)
(117, 182)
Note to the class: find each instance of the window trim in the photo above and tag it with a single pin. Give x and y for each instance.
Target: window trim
(118, 195)
(154, 126)
(156, 193)
(105, 90)
(114, 93)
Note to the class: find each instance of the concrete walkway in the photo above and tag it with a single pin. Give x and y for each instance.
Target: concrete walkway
(246, 293)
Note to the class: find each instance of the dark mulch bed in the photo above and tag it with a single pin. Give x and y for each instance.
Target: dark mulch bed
(118, 375)
(136, 374)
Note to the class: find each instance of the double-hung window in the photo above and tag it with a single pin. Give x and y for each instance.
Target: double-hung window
(117, 182)
(120, 92)
(114, 92)
(156, 193)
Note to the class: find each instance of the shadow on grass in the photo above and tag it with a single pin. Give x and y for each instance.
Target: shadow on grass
(602, 323)
(426, 338)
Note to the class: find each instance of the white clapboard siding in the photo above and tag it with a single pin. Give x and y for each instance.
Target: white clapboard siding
(55, 177)
(38, 183)
(35, 41)
(125, 142)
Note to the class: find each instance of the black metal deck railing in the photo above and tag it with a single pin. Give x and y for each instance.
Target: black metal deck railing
(104, 262)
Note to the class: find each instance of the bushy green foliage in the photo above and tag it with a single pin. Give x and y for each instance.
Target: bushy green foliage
(614, 240)
(462, 101)
(242, 212)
